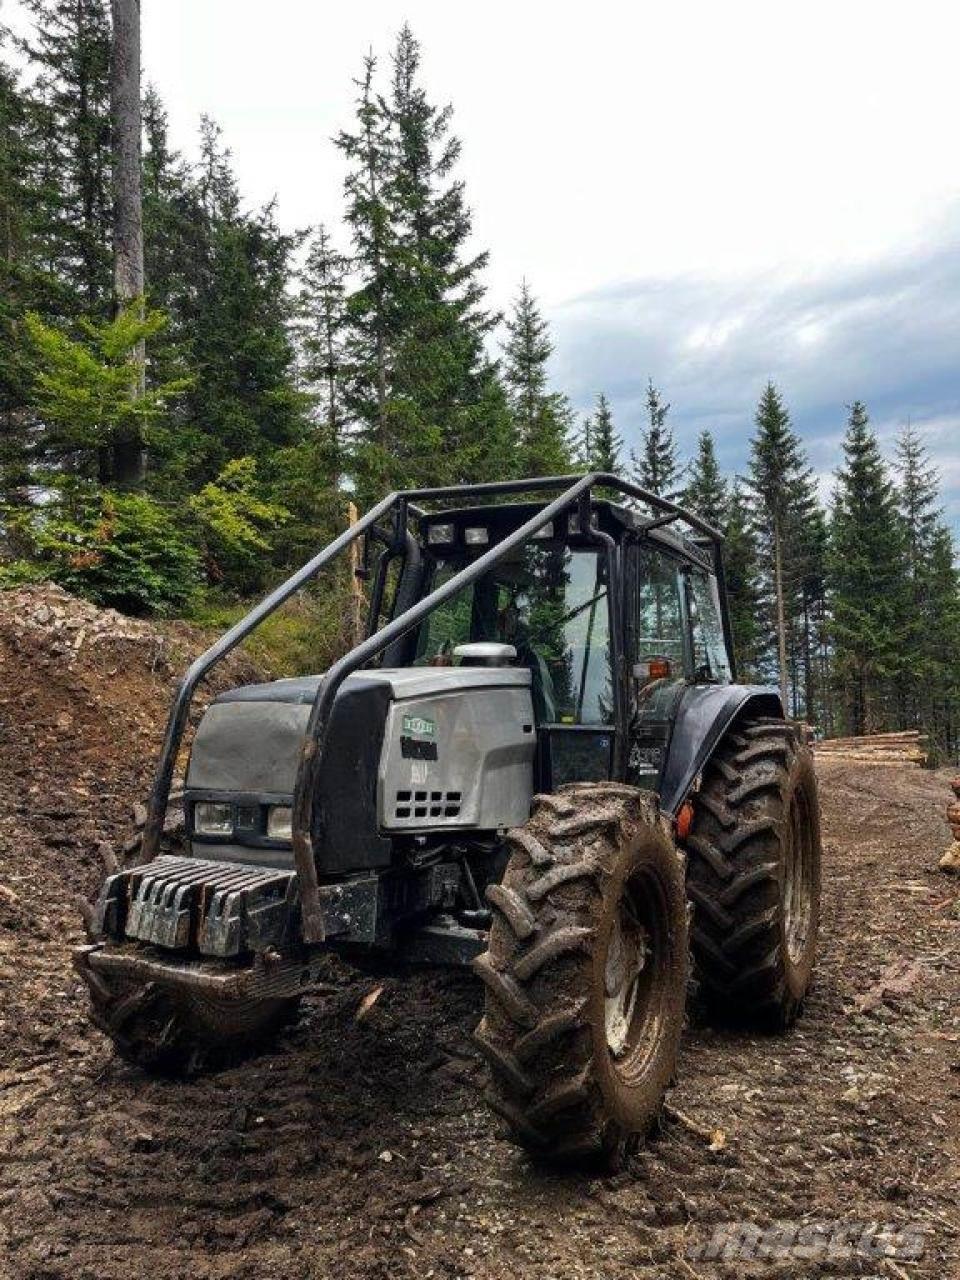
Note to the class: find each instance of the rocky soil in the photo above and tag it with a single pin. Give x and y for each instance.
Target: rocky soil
(359, 1148)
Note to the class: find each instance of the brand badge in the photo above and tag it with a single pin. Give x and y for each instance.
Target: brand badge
(420, 726)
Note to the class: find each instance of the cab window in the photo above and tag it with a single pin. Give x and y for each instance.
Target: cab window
(710, 658)
(550, 602)
(659, 619)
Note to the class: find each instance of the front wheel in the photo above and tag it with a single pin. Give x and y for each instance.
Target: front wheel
(585, 974)
(170, 1031)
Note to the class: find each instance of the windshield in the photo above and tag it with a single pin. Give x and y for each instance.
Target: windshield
(550, 602)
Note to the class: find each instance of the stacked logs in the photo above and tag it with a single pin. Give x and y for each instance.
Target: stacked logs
(901, 748)
(951, 859)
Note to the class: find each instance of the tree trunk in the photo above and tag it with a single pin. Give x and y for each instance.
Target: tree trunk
(781, 612)
(129, 455)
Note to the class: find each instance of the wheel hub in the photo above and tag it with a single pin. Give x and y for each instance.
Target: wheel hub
(797, 888)
(627, 956)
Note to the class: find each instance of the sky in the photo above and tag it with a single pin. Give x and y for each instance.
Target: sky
(708, 195)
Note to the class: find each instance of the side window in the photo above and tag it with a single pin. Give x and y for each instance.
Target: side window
(659, 616)
(710, 658)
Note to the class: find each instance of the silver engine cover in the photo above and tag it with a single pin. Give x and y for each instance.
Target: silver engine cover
(458, 749)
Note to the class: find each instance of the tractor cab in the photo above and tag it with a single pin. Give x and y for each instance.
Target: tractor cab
(613, 621)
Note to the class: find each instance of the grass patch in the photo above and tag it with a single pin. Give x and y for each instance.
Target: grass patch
(303, 637)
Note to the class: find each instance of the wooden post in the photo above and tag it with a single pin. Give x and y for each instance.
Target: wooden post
(357, 599)
(129, 456)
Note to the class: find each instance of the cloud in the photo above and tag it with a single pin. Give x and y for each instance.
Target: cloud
(885, 332)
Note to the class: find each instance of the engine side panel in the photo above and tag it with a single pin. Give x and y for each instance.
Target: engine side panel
(458, 760)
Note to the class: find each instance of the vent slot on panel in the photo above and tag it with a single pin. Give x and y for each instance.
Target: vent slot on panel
(426, 804)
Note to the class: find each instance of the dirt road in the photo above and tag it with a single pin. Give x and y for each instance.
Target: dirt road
(361, 1149)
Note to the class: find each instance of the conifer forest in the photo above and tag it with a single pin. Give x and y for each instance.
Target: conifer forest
(174, 445)
(479, 640)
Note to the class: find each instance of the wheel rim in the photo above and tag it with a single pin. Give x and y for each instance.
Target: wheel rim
(797, 880)
(635, 968)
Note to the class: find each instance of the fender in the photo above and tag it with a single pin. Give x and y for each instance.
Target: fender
(703, 716)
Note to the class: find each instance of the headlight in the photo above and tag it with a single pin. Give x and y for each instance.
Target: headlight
(213, 819)
(280, 822)
(438, 533)
(476, 537)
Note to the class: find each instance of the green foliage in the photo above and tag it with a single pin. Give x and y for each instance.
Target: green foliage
(14, 573)
(304, 635)
(84, 389)
(541, 418)
(706, 490)
(234, 522)
(600, 446)
(656, 466)
(118, 549)
(867, 576)
(788, 525)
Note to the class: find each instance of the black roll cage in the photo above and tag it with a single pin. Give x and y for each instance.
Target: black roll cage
(575, 490)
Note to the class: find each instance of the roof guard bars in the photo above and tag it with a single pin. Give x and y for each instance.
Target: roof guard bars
(307, 808)
(180, 711)
(572, 486)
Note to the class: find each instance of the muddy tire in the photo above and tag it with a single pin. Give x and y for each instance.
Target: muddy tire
(753, 876)
(170, 1032)
(585, 974)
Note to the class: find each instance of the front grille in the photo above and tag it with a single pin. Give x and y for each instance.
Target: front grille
(217, 908)
(415, 806)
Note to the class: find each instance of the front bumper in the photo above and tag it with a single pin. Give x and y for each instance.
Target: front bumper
(264, 978)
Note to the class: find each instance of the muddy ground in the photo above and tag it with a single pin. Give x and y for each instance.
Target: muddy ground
(360, 1149)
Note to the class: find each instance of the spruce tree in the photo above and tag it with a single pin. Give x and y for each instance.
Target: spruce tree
(742, 574)
(541, 418)
(927, 632)
(373, 322)
(322, 313)
(867, 585)
(706, 490)
(605, 444)
(24, 285)
(940, 701)
(784, 509)
(237, 315)
(656, 465)
(917, 493)
(442, 379)
(70, 52)
(422, 392)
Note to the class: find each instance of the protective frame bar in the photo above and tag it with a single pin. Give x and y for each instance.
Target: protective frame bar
(307, 814)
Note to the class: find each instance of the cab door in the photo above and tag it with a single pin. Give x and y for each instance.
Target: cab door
(661, 658)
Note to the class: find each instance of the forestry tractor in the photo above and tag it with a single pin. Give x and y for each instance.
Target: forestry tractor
(538, 762)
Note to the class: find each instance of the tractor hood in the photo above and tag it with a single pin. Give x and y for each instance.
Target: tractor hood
(416, 749)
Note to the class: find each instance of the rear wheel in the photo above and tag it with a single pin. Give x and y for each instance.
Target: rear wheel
(753, 875)
(585, 975)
